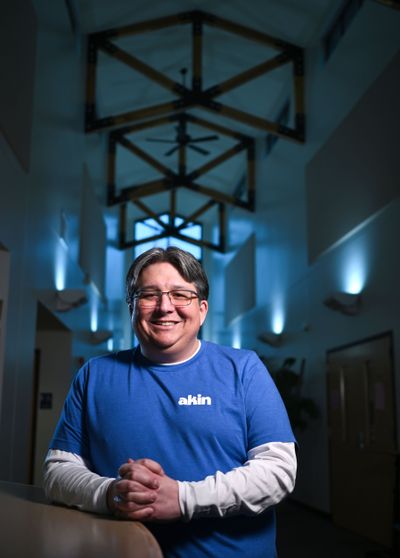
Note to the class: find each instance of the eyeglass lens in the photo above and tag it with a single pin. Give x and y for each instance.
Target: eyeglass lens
(148, 299)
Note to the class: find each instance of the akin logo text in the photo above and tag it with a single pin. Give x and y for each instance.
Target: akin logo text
(195, 400)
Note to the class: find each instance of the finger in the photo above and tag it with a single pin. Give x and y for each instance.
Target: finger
(142, 514)
(131, 507)
(138, 498)
(152, 465)
(142, 478)
(127, 485)
(139, 474)
(124, 490)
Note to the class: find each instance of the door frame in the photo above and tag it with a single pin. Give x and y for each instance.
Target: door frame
(396, 489)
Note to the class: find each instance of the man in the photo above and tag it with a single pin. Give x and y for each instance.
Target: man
(188, 436)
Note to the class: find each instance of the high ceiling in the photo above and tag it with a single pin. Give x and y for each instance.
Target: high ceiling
(121, 89)
(296, 21)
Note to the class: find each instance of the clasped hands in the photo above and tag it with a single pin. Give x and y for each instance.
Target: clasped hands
(143, 492)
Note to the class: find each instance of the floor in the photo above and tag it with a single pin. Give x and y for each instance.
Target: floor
(304, 533)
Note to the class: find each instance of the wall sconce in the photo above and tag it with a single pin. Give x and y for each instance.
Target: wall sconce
(100, 336)
(69, 298)
(271, 338)
(346, 303)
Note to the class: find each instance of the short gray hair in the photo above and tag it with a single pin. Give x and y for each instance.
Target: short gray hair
(184, 262)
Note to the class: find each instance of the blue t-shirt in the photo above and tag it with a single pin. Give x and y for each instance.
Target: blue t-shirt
(194, 418)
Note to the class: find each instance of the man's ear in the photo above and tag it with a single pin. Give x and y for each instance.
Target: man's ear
(203, 311)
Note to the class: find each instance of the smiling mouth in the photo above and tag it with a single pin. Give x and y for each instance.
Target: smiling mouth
(164, 323)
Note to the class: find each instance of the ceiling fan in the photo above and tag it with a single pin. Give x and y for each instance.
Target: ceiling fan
(182, 137)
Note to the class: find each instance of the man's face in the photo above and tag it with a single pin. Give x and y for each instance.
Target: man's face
(167, 333)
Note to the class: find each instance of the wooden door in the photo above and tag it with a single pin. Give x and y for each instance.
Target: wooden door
(362, 438)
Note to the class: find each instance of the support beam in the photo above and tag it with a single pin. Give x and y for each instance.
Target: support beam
(125, 57)
(111, 172)
(173, 180)
(91, 70)
(160, 114)
(222, 227)
(139, 114)
(216, 127)
(196, 214)
(197, 50)
(122, 224)
(246, 32)
(217, 161)
(182, 160)
(215, 195)
(196, 97)
(146, 26)
(172, 206)
(144, 156)
(248, 75)
(150, 188)
(251, 176)
(253, 121)
(150, 213)
(144, 125)
(298, 77)
(169, 229)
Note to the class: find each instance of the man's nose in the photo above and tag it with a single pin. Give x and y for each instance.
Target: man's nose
(165, 302)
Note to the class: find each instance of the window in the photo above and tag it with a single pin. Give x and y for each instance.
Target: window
(146, 228)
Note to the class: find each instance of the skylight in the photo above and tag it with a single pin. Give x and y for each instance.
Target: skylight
(149, 227)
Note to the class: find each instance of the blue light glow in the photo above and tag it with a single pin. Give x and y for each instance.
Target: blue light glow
(60, 266)
(354, 283)
(237, 337)
(354, 272)
(110, 344)
(278, 318)
(94, 310)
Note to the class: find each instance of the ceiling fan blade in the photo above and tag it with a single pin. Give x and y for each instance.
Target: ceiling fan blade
(204, 138)
(167, 153)
(158, 140)
(198, 149)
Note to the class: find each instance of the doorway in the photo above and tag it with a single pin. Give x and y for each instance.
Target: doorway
(52, 374)
(362, 437)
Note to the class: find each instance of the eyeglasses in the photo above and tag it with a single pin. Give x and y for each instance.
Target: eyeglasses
(177, 297)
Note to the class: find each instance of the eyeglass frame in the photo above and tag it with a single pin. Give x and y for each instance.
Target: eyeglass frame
(161, 293)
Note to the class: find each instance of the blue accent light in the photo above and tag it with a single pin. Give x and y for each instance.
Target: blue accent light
(94, 310)
(354, 272)
(60, 266)
(237, 337)
(278, 319)
(355, 283)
